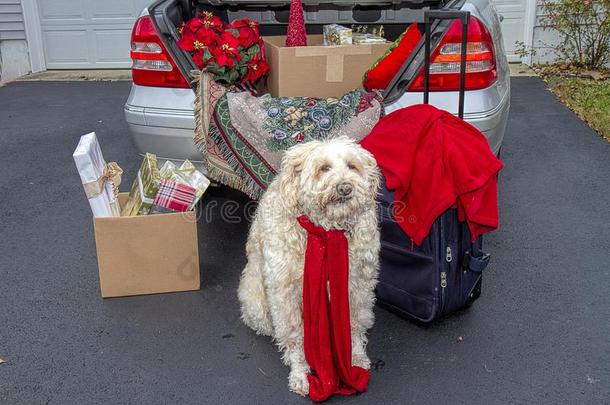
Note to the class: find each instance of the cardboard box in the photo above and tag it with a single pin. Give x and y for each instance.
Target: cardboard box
(147, 254)
(317, 70)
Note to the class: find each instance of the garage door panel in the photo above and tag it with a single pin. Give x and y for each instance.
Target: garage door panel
(88, 34)
(66, 47)
(512, 32)
(113, 9)
(112, 46)
(513, 26)
(62, 10)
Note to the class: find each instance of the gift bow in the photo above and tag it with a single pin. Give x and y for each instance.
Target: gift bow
(112, 173)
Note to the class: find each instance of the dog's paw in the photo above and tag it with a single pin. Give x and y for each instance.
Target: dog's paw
(297, 382)
(361, 361)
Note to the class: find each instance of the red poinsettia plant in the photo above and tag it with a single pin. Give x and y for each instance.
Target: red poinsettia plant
(232, 53)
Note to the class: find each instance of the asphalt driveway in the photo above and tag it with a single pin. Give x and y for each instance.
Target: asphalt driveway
(539, 334)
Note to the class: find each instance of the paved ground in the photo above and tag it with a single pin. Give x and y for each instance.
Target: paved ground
(518, 69)
(94, 75)
(539, 334)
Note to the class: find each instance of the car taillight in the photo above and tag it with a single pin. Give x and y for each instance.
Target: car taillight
(152, 65)
(445, 60)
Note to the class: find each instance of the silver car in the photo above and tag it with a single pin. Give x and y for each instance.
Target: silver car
(159, 110)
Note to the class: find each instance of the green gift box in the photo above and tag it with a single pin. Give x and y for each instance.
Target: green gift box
(144, 188)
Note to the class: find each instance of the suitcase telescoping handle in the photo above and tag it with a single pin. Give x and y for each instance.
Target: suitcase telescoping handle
(474, 259)
(429, 17)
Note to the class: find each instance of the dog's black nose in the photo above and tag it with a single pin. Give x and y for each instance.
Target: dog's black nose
(344, 189)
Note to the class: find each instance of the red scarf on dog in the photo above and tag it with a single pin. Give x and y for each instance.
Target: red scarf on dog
(326, 321)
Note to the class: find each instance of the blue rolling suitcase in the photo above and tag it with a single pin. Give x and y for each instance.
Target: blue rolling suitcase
(443, 274)
(440, 276)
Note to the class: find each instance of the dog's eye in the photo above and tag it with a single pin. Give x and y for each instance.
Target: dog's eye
(325, 168)
(352, 166)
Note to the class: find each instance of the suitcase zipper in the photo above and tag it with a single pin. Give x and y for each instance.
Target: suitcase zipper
(448, 259)
(443, 266)
(443, 288)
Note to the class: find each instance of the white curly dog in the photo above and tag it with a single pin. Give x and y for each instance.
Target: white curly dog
(335, 184)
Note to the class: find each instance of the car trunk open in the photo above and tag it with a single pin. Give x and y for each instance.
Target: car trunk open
(394, 15)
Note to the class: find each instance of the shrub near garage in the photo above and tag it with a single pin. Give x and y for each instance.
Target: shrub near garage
(584, 30)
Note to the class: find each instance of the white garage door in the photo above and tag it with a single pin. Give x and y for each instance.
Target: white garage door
(513, 26)
(94, 34)
(88, 34)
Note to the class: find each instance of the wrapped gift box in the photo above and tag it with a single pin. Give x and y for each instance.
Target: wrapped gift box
(147, 254)
(317, 70)
(99, 178)
(144, 188)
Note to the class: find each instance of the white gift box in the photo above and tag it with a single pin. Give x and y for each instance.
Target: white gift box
(93, 170)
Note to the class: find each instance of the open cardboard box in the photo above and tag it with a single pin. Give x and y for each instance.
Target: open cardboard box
(147, 254)
(317, 70)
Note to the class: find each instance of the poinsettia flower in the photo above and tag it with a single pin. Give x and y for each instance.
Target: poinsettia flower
(213, 22)
(232, 53)
(193, 25)
(202, 57)
(209, 19)
(223, 58)
(228, 43)
(225, 53)
(197, 58)
(206, 35)
(247, 30)
(257, 68)
(193, 31)
(187, 41)
(204, 30)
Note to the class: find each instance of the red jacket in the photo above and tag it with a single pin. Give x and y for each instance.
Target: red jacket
(433, 161)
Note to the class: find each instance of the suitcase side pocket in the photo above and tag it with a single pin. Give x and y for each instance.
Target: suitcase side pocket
(408, 280)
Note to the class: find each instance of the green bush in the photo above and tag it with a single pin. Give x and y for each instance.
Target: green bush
(584, 30)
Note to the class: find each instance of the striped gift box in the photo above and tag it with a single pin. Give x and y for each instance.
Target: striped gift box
(173, 196)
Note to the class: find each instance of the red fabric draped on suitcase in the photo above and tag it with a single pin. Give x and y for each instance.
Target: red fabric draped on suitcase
(434, 160)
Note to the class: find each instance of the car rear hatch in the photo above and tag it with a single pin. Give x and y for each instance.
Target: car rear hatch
(394, 15)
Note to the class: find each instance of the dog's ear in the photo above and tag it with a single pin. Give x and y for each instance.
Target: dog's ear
(291, 169)
(371, 171)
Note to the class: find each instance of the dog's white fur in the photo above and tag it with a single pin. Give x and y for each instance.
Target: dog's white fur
(270, 290)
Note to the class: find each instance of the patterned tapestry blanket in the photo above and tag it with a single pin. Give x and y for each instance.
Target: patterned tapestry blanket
(243, 137)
